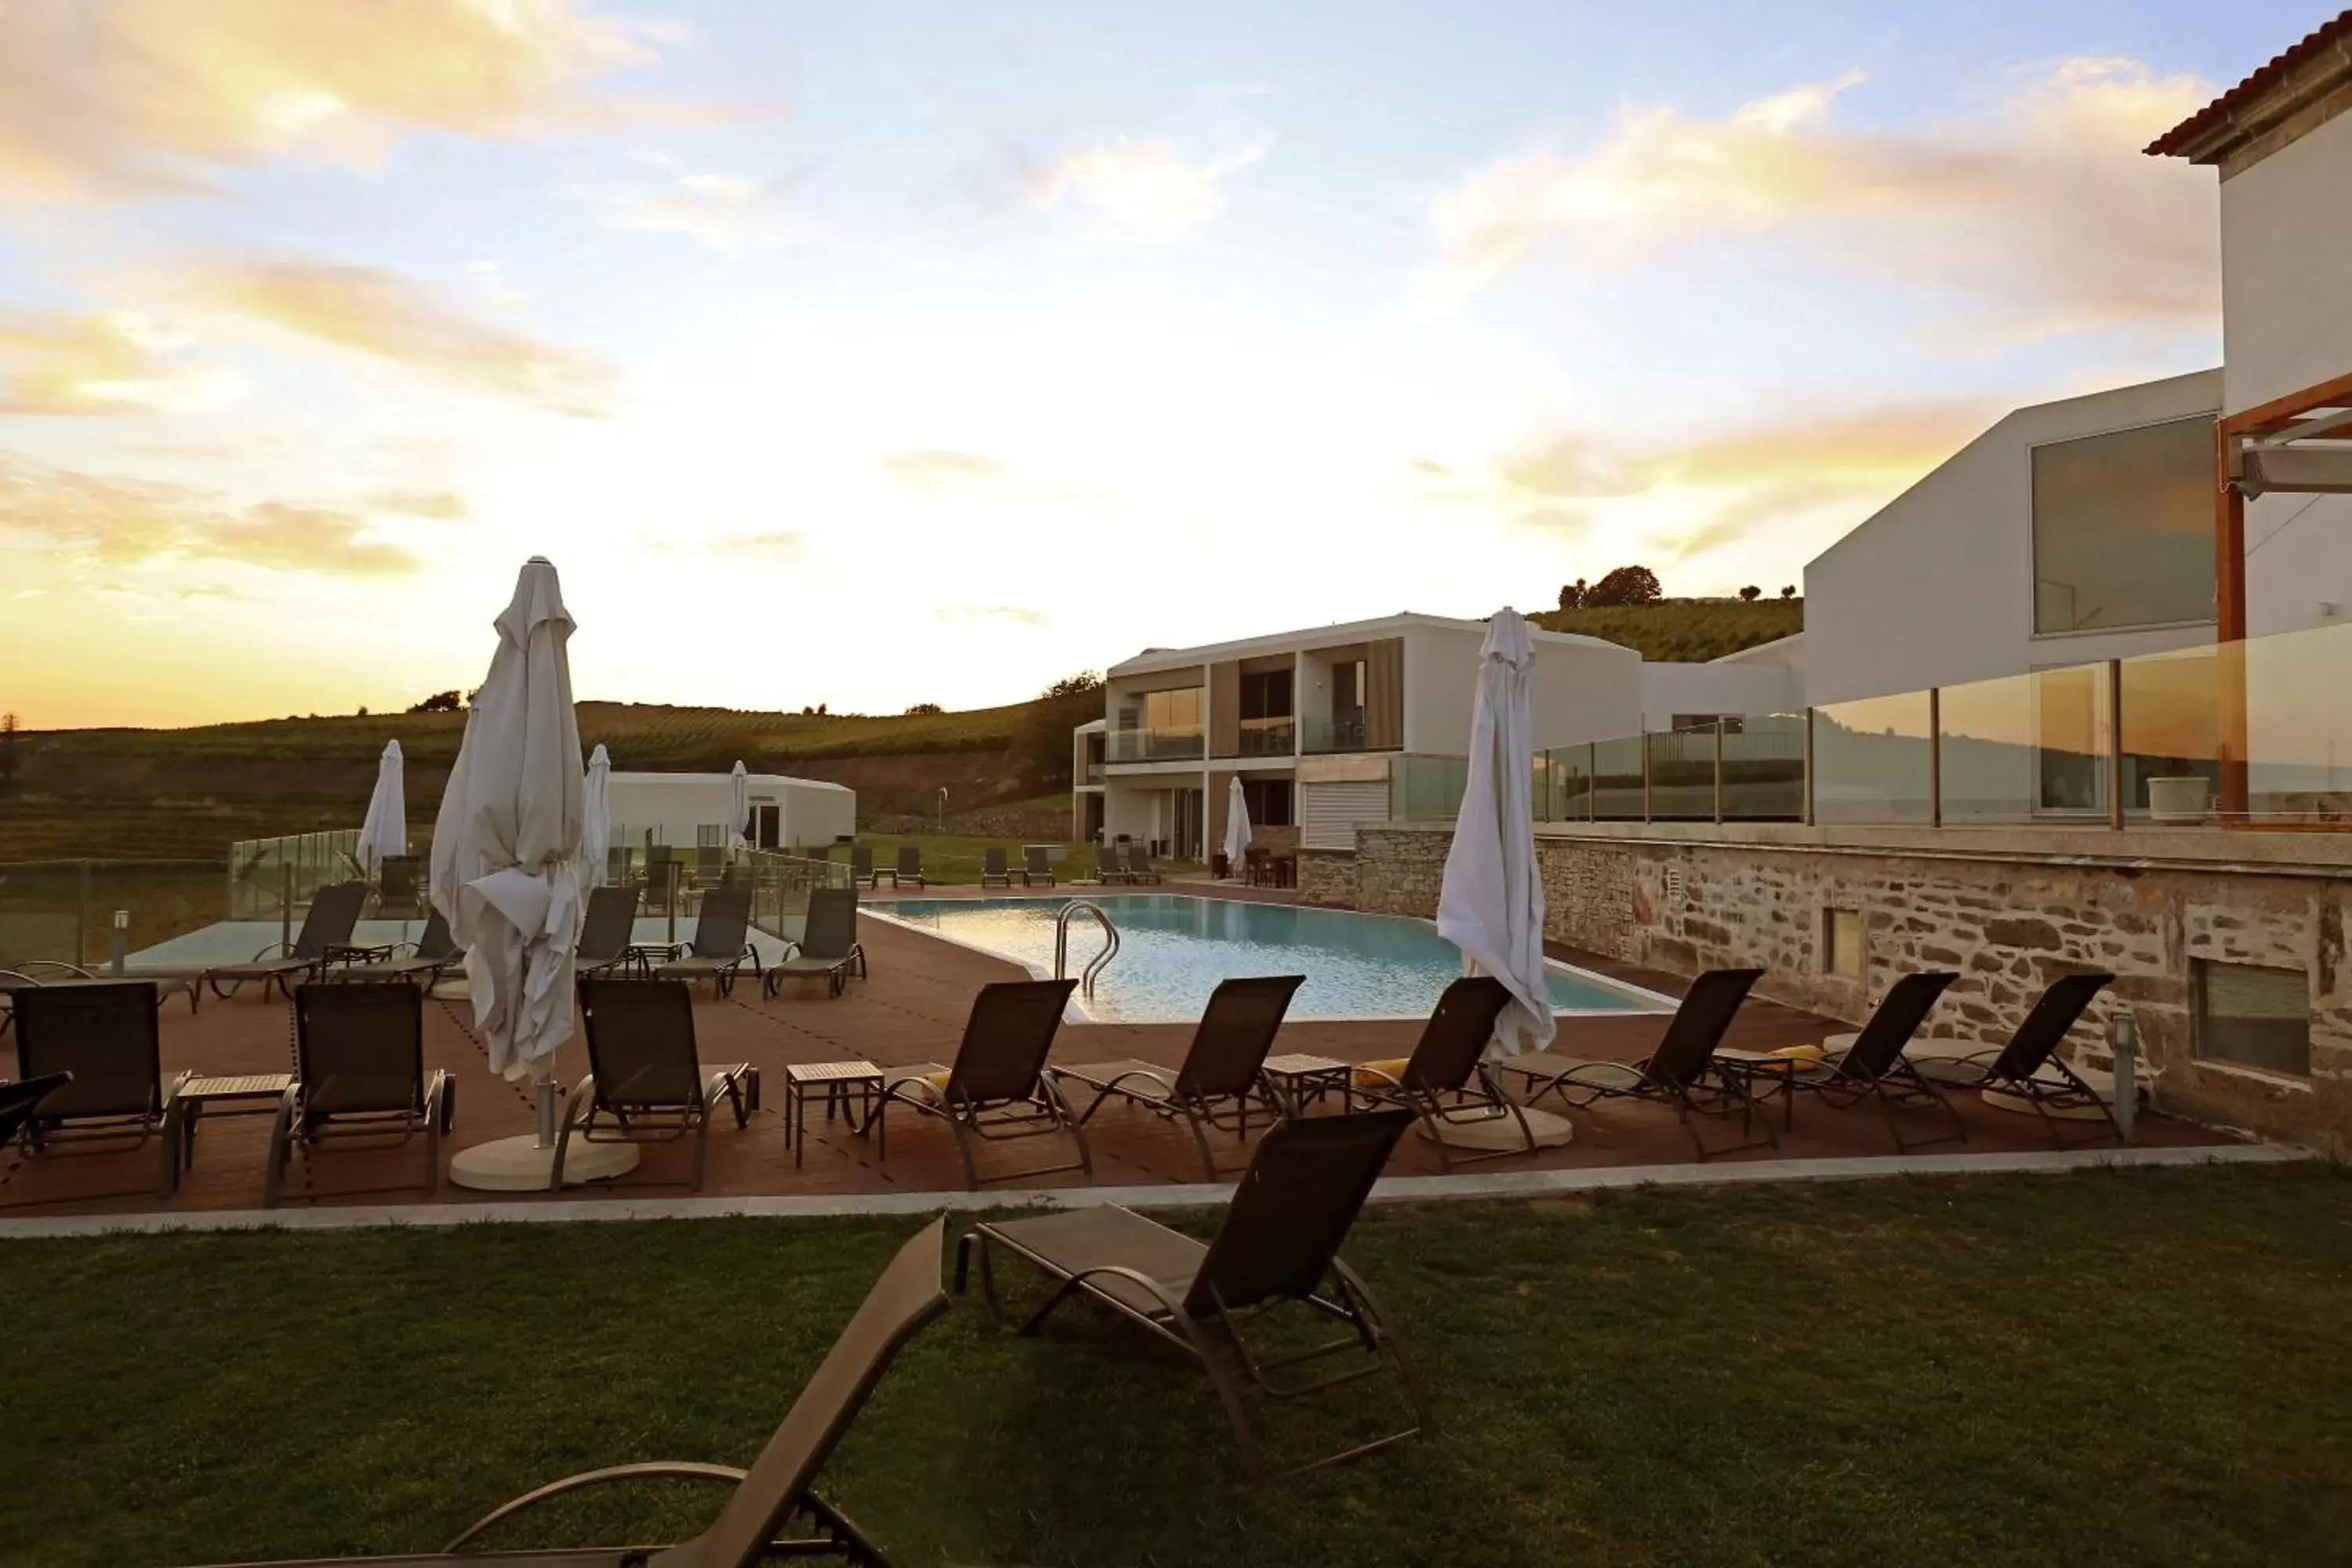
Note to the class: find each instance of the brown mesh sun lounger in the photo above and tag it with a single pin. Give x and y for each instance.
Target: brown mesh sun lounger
(645, 1081)
(909, 870)
(432, 955)
(773, 1496)
(1873, 1068)
(1035, 867)
(326, 932)
(993, 872)
(1279, 1241)
(1107, 866)
(828, 948)
(104, 1036)
(861, 866)
(1680, 1073)
(360, 1083)
(998, 1091)
(1219, 1085)
(2030, 1069)
(1139, 863)
(722, 942)
(1447, 1081)
(608, 932)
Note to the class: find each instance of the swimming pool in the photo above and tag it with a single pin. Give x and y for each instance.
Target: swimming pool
(1173, 948)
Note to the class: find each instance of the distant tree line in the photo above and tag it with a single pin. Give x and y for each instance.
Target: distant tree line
(1635, 586)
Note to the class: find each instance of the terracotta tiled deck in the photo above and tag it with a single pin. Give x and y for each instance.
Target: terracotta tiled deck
(912, 1009)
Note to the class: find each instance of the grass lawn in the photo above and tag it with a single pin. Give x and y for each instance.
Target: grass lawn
(2108, 1368)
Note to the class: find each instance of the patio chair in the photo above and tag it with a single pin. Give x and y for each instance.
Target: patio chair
(1680, 1073)
(360, 1084)
(398, 884)
(1218, 1084)
(721, 943)
(1873, 1068)
(608, 932)
(15, 973)
(1035, 866)
(992, 869)
(2028, 1068)
(1279, 1241)
(998, 1091)
(1139, 862)
(1447, 1083)
(645, 1081)
(430, 956)
(828, 948)
(861, 866)
(101, 1034)
(909, 866)
(326, 933)
(775, 1494)
(1109, 868)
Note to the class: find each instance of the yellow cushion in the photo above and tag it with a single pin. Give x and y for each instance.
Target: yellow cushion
(1801, 1053)
(939, 1080)
(1393, 1066)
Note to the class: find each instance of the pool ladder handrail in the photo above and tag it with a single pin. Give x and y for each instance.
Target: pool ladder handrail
(1095, 966)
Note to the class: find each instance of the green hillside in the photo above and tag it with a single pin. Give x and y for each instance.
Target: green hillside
(1683, 630)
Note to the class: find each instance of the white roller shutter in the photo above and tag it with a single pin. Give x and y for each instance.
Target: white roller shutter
(1330, 812)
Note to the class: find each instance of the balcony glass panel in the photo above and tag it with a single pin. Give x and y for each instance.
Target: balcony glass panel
(1871, 761)
(1764, 768)
(1275, 737)
(2027, 746)
(1342, 732)
(1617, 780)
(1682, 774)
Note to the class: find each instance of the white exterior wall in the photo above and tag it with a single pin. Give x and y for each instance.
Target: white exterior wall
(1937, 588)
(1714, 688)
(673, 806)
(2287, 295)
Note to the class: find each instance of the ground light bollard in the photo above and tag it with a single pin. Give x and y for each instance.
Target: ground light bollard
(2123, 1045)
(121, 939)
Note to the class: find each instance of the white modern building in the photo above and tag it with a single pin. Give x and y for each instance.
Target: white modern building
(692, 809)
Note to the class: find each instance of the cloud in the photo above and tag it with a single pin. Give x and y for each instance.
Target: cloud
(969, 614)
(778, 544)
(107, 362)
(1145, 189)
(102, 99)
(119, 522)
(444, 506)
(937, 471)
(2042, 206)
(721, 211)
(375, 312)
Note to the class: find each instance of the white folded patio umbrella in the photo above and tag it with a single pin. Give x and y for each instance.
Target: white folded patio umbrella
(506, 845)
(1491, 903)
(596, 818)
(1237, 826)
(384, 831)
(743, 819)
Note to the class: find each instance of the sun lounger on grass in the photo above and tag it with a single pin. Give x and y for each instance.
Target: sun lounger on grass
(998, 1091)
(1109, 868)
(909, 868)
(861, 866)
(773, 1496)
(645, 1081)
(1680, 1073)
(993, 872)
(1447, 1083)
(721, 943)
(326, 933)
(1873, 1068)
(1218, 1086)
(1035, 867)
(828, 949)
(1139, 863)
(1279, 1242)
(102, 1034)
(2030, 1069)
(360, 1083)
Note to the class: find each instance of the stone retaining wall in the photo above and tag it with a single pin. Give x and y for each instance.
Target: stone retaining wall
(1327, 876)
(2007, 911)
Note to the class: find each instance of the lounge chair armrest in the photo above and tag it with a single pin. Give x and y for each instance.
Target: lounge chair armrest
(278, 949)
(176, 1083)
(646, 1471)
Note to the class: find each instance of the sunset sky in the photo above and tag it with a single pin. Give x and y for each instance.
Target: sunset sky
(886, 353)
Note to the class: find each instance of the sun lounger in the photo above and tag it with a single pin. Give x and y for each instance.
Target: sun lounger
(1139, 862)
(2028, 1066)
(399, 880)
(432, 955)
(1680, 1073)
(1279, 1241)
(608, 932)
(360, 1083)
(1873, 1068)
(998, 1091)
(773, 1496)
(1107, 866)
(645, 1081)
(1035, 866)
(721, 943)
(1219, 1085)
(103, 1035)
(828, 948)
(909, 868)
(1446, 1081)
(325, 936)
(861, 866)
(993, 872)
(16, 973)
(19, 1101)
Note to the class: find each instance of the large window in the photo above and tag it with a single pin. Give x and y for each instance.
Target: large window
(1268, 801)
(1265, 695)
(2254, 1017)
(1176, 712)
(2123, 529)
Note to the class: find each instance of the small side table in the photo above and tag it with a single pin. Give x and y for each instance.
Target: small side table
(250, 1094)
(645, 955)
(853, 1089)
(1299, 1080)
(1763, 1075)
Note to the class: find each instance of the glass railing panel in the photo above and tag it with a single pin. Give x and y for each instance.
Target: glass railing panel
(1152, 745)
(1339, 732)
(2027, 747)
(1426, 789)
(2297, 724)
(62, 912)
(1617, 779)
(1682, 774)
(1764, 768)
(1276, 737)
(1871, 761)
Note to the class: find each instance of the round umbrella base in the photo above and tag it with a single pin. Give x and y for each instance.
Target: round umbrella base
(520, 1165)
(1492, 1132)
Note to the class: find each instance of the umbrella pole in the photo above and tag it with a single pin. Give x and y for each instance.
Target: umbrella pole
(546, 1096)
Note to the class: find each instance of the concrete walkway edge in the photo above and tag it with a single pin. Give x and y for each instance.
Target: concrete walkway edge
(1392, 1189)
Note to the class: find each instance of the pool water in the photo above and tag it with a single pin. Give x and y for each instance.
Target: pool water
(1173, 948)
